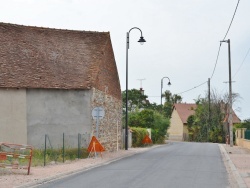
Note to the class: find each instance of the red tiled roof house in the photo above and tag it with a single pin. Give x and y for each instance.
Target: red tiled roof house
(51, 79)
(178, 122)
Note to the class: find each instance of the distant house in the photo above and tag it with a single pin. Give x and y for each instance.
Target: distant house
(178, 123)
(51, 79)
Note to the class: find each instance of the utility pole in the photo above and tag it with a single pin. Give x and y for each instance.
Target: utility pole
(230, 117)
(209, 112)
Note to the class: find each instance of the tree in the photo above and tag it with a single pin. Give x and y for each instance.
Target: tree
(148, 118)
(170, 100)
(207, 125)
(135, 99)
(141, 113)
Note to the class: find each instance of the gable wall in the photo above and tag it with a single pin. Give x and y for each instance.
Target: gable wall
(176, 127)
(54, 112)
(107, 78)
(13, 124)
(110, 127)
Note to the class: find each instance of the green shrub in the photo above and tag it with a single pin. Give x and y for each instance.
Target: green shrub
(138, 135)
(157, 137)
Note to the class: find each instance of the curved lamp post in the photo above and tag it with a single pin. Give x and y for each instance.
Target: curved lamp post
(162, 86)
(141, 40)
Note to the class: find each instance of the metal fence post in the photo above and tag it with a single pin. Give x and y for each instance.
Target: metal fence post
(63, 149)
(44, 162)
(79, 144)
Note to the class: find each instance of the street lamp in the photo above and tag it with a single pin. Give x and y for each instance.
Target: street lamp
(141, 40)
(230, 118)
(162, 86)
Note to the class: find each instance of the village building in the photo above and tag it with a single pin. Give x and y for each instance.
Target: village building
(178, 123)
(51, 80)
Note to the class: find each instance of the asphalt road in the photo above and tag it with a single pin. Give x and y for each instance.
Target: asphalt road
(176, 165)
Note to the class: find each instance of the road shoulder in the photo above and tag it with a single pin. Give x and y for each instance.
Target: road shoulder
(235, 178)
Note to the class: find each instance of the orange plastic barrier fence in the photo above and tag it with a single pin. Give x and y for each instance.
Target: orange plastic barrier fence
(15, 156)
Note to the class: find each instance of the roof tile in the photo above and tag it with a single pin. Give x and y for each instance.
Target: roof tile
(36, 57)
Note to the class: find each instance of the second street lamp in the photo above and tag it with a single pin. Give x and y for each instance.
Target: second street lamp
(141, 40)
(169, 83)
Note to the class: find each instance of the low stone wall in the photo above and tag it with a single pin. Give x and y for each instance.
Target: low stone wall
(240, 138)
(243, 143)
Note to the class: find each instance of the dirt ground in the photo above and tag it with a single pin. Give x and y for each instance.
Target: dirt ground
(18, 178)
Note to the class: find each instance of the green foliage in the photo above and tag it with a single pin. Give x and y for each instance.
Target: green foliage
(144, 118)
(244, 124)
(138, 135)
(56, 155)
(143, 114)
(201, 128)
(136, 99)
(150, 119)
(170, 100)
(193, 129)
(216, 135)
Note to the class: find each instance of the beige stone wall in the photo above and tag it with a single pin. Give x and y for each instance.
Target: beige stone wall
(185, 133)
(176, 127)
(13, 121)
(243, 143)
(240, 138)
(110, 127)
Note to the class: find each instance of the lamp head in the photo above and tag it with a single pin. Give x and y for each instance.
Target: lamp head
(141, 40)
(169, 83)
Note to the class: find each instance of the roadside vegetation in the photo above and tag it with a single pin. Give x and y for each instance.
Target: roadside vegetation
(143, 115)
(209, 123)
(57, 156)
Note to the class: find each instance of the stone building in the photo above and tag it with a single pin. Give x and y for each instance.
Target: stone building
(50, 81)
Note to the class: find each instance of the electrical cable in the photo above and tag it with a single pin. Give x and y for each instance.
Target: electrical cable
(192, 88)
(217, 53)
(242, 63)
(216, 62)
(232, 19)
(224, 38)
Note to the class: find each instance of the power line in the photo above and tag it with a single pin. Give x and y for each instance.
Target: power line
(224, 38)
(217, 53)
(216, 61)
(192, 88)
(239, 66)
(232, 19)
(242, 63)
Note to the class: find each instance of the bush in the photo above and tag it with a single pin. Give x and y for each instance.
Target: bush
(153, 120)
(138, 135)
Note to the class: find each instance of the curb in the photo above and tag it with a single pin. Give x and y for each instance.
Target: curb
(233, 169)
(63, 175)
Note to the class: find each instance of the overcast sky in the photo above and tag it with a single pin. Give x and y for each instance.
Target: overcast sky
(182, 40)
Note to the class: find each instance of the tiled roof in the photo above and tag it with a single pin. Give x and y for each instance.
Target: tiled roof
(185, 110)
(235, 118)
(35, 57)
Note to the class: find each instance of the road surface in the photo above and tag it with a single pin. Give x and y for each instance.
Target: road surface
(175, 165)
